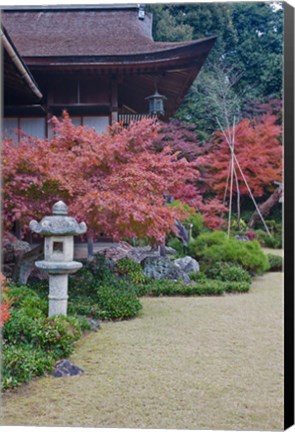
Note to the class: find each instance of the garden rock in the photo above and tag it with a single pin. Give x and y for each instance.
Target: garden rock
(242, 237)
(137, 254)
(115, 253)
(13, 248)
(95, 324)
(66, 368)
(187, 264)
(163, 268)
(14, 251)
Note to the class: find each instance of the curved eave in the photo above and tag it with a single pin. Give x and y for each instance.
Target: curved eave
(191, 53)
(17, 76)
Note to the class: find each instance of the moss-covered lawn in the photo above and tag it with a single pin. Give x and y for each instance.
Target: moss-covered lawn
(194, 363)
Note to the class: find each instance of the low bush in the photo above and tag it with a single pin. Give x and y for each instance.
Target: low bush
(236, 287)
(20, 363)
(197, 247)
(273, 242)
(275, 262)
(228, 272)
(84, 306)
(198, 276)
(105, 293)
(216, 246)
(115, 303)
(31, 340)
(131, 269)
(55, 335)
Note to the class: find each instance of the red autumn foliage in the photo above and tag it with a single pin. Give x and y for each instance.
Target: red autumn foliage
(114, 181)
(257, 109)
(182, 138)
(5, 303)
(259, 152)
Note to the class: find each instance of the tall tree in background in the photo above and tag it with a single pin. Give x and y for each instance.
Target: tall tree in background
(249, 44)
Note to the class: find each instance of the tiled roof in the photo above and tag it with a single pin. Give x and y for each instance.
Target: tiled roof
(42, 33)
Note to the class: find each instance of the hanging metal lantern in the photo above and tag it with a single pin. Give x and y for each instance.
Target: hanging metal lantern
(156, 103)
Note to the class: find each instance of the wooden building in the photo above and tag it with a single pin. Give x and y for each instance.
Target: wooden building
(100, 63)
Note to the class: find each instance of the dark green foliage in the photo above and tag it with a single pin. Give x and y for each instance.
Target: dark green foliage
(99, 292)
(31, 340)
(249, 44)
(216, 246)
(180, 248)
(275, 262)
(83, 306)
(117, 304)
(132, 269)
(168, 28)
(198, 276)
(228, 272)
(275, 241)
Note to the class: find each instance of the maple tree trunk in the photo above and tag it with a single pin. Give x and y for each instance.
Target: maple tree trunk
(265, 207)
(162, 249)
(17, 229)
(90, 246)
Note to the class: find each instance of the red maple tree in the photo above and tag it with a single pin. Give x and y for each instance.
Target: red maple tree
(258, 150)
(114, 181)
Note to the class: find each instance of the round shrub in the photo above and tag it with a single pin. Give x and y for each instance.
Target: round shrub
(275, 262)
(198, 247)
(117, 304)
(216, 246)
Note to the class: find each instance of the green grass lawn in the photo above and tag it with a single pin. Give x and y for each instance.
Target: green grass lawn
(185, 363)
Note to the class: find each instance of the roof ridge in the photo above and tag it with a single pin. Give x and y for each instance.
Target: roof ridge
(68, 7)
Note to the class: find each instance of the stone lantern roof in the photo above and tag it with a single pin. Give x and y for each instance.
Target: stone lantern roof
(59, 224)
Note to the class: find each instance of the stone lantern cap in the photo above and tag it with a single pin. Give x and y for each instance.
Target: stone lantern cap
(59, 224)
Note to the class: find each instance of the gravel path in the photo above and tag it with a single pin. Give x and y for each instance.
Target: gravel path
(185, 363)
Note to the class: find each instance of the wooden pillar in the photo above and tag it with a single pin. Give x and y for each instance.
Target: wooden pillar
(114, 100)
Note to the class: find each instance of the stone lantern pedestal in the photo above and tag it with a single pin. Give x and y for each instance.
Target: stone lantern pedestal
(58, 230)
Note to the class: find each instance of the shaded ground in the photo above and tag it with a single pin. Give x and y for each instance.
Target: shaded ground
(193, 363)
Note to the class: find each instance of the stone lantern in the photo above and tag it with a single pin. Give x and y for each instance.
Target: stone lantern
(59, 230)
